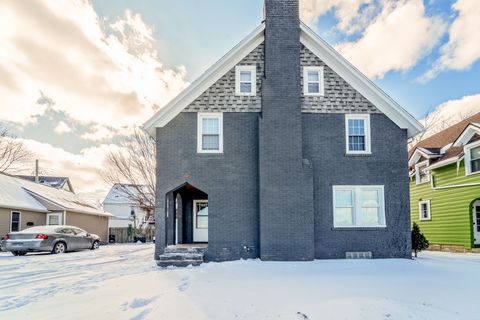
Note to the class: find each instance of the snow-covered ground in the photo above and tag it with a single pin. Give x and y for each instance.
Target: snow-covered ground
(123, 282)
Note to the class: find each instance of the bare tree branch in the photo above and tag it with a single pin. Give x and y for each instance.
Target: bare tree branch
(13, 153)
(133, 165)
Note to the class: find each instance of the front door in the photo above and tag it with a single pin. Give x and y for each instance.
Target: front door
(200, 220)
(476, 222)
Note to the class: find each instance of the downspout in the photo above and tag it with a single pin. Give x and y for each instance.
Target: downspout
(64, 217)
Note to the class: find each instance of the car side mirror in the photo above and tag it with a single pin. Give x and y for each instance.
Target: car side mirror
(87, 235)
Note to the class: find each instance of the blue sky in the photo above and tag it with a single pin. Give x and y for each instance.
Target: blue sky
(92, 71)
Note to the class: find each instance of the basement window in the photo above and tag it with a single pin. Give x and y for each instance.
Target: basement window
(245, 80)
(313, 81)
(424, 210)
(210, 133)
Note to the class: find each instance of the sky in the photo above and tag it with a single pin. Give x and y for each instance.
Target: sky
(78, 76)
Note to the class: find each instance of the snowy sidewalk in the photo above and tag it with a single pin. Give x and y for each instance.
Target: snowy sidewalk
(123, 282)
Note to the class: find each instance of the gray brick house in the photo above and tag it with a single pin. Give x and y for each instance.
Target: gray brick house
(282, 150)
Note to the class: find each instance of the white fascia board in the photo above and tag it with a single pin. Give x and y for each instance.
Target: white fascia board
(419, 153)
(359, 81)
(466, 135)
(206, 80)
(443, 163)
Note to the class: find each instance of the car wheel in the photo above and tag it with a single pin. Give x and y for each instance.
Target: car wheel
(95, 245)
(59, 247)
(21, 253)
(15, 253)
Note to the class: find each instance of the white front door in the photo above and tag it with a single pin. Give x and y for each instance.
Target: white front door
(200, 220)
(476, 222)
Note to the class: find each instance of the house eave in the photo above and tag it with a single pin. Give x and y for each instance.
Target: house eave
(359, 81)
(207, 79)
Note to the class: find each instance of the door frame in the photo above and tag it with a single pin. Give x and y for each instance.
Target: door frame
(475, 233)
(194, 220)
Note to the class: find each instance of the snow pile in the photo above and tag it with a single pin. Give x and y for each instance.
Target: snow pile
(123, 282)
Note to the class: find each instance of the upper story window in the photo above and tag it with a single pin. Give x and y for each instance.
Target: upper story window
(313, 81)
(472, 158)
(421, 173)
(210, 133)
(424, 210)
(357, 132)
(245, 80)
(358, 206)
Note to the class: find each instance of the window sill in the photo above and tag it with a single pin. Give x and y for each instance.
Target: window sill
(377, 228)
(239, 94)
(367, 154)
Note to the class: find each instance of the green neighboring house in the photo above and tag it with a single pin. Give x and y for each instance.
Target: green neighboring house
(445, 186)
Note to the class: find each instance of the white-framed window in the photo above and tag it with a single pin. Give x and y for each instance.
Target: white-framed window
(472, 158)
(358, 206)
(357, 134)
(421, 173)
(424, 210)
(55, 219)
(15, 221)
(245, 80)
(313, 84)
(210, 133)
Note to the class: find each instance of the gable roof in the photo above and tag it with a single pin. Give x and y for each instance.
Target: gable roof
(315, 44)
(54, 182)
(21, 194)
(444, 138)
(127, 194)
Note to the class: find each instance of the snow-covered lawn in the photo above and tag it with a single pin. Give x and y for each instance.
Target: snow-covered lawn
(123, 282)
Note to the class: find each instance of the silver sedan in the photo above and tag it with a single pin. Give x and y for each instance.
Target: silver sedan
(54, 239)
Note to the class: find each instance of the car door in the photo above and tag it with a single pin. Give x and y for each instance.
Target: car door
(69, 236)
(84, 239)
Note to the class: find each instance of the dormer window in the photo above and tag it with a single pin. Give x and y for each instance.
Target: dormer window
(421, 173)
(245, 80)
(472, 158)
(313, 81)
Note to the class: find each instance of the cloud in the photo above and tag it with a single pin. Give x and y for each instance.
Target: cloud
(395, 40)
(451, 112)
(83, 168)
(353, 15)
(463, 46)
(62, 127)
(60, 55)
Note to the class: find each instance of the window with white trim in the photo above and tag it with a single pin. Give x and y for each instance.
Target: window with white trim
(313, 84)
(358, 206)
(54, 219)
(210, 133)
(472, 158)
(421, 173)
(15, 221)
(245, 80)
(357, 133)
(424, 210)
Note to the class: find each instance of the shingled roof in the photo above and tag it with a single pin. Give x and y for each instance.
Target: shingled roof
(436, 142)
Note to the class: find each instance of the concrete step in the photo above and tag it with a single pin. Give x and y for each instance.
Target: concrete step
(182, 256)
(177, 249)
(178, 263)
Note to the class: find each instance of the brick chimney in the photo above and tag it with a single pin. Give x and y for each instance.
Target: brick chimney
(286, 179)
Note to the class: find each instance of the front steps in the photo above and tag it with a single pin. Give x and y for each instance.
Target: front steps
(182, 256)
